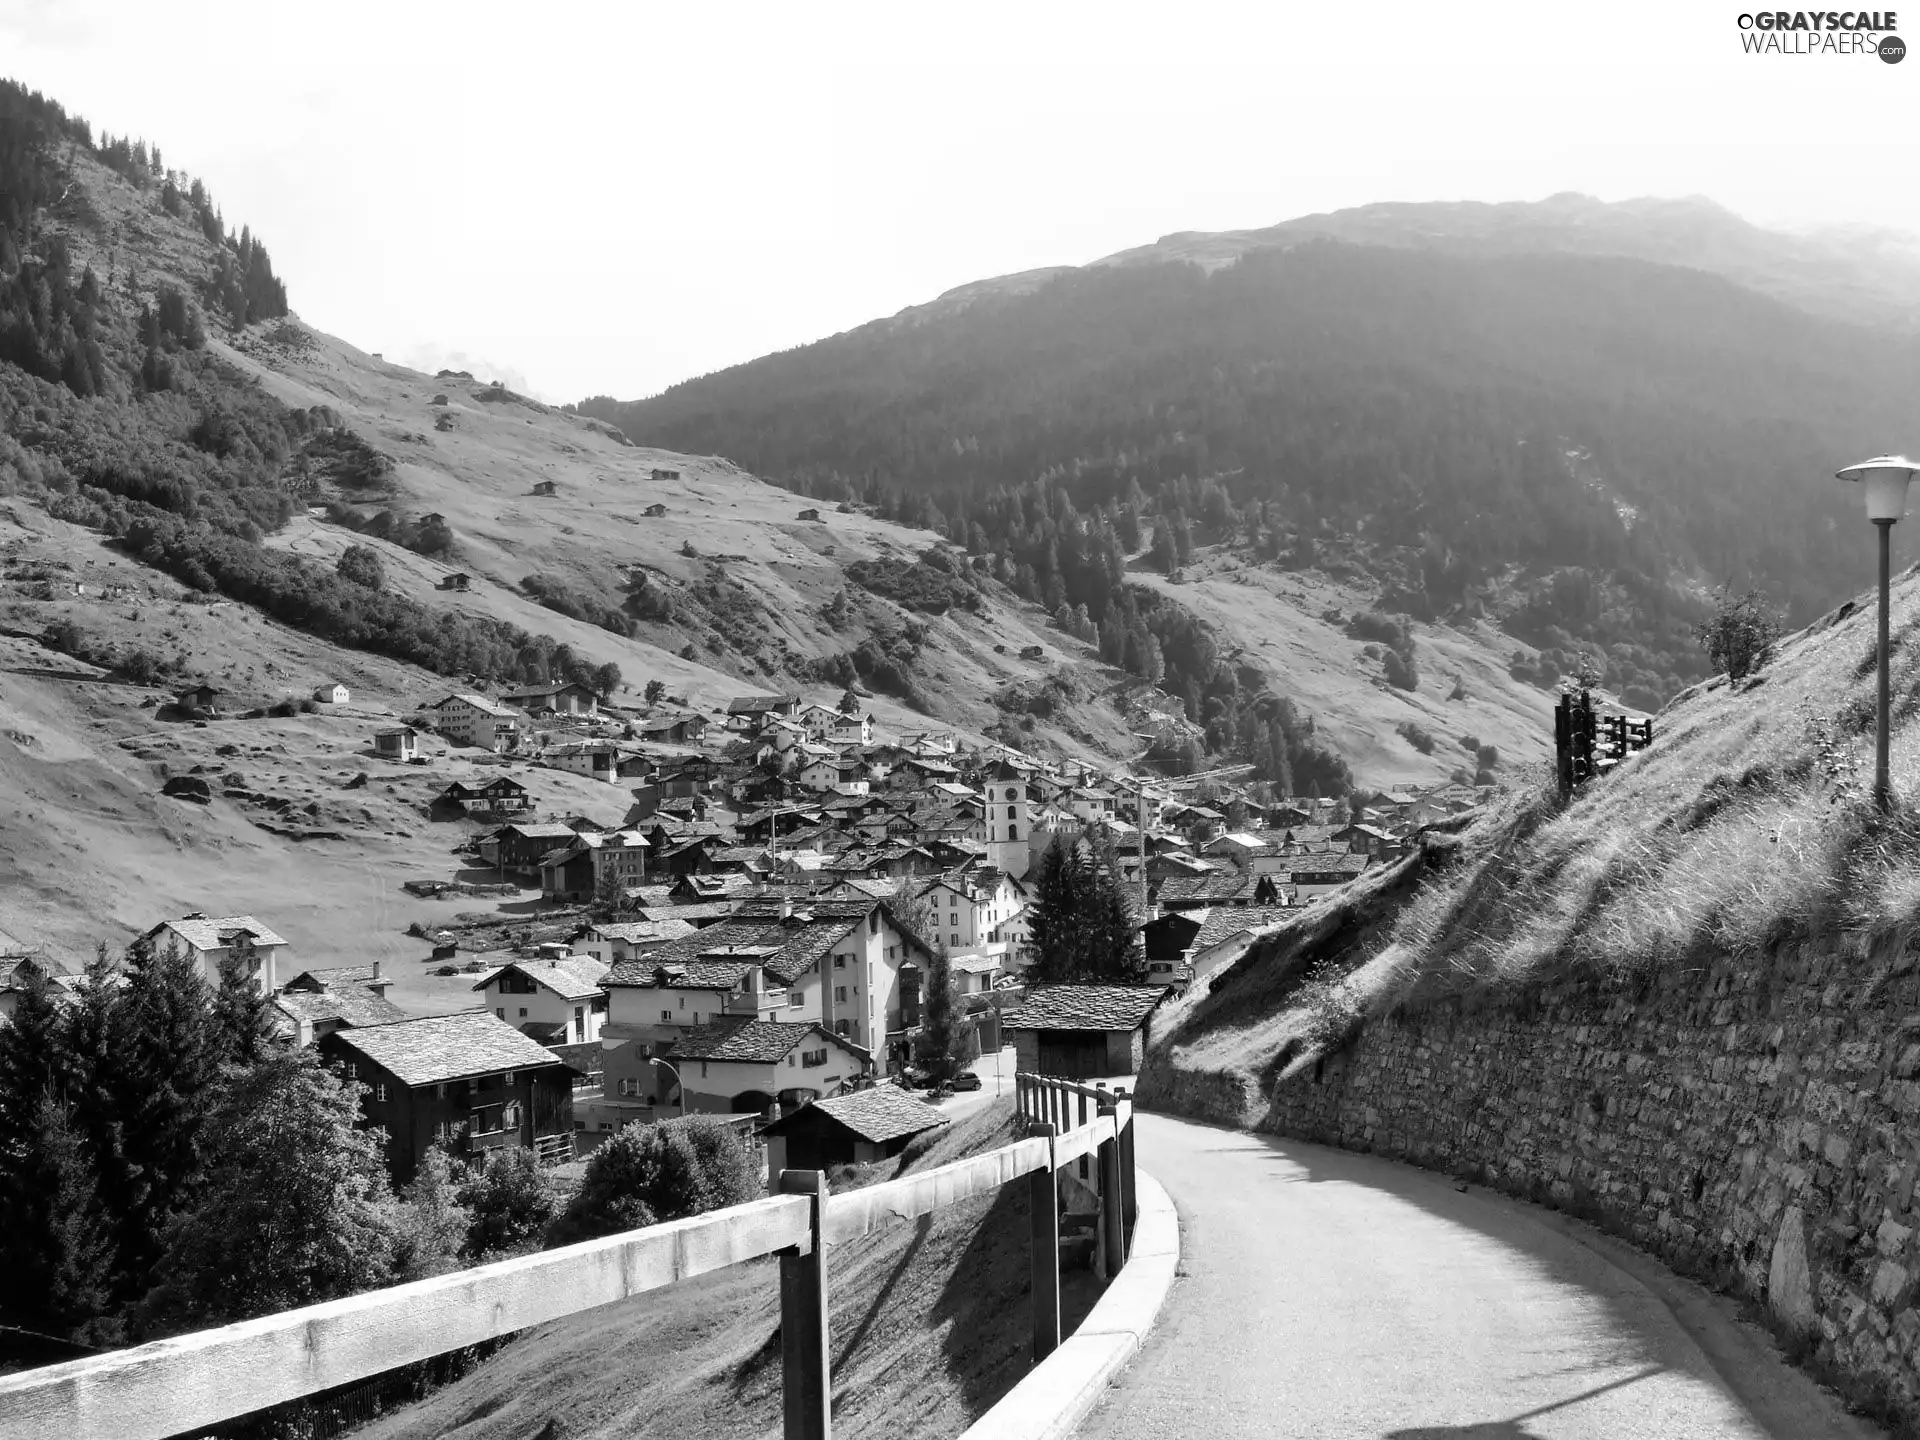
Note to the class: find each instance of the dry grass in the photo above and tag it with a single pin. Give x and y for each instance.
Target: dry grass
(928, 1331)
(1747, 824)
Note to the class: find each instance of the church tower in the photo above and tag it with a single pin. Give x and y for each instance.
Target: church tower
(1009, 821)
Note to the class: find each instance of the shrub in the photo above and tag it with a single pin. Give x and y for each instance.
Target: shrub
(649, 1173)
(1739, 636)
(1416, 736)
(362, 566)
(511, 1203)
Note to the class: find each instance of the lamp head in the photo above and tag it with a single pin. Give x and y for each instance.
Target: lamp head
(1886, 478)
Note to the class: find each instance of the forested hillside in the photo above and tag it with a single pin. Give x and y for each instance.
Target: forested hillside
(1578, 446)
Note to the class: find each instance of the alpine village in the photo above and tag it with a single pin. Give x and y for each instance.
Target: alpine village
(505, 865)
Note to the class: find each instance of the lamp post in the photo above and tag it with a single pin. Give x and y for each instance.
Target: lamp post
(663, 1065)
(1886, 478)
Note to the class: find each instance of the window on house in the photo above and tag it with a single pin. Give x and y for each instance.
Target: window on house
(840, 994)
(507, 1078)
(501, 1011)
(703, 1069)
(629, 1086)
(380, 1091)
(796, 1001)
(488, 1119)
(666, 1015)
(839, 962)
(523, 1012)
(839, 1027)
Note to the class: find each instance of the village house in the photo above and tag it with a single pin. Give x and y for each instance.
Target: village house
(1168, 937)
(332, 693)
(468, 719)
(545, 487)
(614, 941)
(400, 743)
(654, 511)
(561, 698)
(501, 795)
(750, 712)
(969, 910)
(595, 759)
(207, 942)
(842, 777)
(521, 846)
(199, 700)
(456, 580)
(468, 1081)
(688, 729)
(592, 862)
(855, 1129)
(851, 730)
(1083, 1032)
(556, 1000)
(659, 474)
(318, 1002)
(738, 1065)
(1317, 875)
(810, 513)
(20, 971)
(816, 720)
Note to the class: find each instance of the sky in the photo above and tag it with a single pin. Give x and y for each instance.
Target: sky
(605, 199)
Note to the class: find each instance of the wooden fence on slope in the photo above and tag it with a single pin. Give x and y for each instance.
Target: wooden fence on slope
(187, 1384)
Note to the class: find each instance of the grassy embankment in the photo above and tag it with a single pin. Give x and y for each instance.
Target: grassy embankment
(1747, 824)
(928, 1331)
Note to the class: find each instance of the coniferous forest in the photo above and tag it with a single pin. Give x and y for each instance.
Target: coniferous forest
(1578, 447)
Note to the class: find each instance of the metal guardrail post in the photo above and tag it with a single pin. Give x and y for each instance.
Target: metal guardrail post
(1129, 1197)
(806, 1380)
(1112, 1226)
(1043, 1201)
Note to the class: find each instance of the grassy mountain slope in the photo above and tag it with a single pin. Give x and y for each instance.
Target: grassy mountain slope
(1579, 444)
(926, 1336)
(1745, 826)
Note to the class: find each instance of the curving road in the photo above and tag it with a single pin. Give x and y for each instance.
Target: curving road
(1325, 1295)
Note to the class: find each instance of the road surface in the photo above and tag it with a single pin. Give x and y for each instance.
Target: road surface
(1325, 1295)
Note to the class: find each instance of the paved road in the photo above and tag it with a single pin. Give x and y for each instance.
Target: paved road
(1326, 1295)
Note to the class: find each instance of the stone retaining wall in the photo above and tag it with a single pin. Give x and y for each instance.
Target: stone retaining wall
(1754, 1123)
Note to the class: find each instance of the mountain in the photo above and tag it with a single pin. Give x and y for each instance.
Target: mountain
(184, 464)
(1550, 417)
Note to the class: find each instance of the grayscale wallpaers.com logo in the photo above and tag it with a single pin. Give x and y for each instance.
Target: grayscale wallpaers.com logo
(1823, 32)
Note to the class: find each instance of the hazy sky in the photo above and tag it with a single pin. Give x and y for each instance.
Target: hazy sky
(612, 198)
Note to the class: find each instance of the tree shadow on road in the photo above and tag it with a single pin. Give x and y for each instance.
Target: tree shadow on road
(1516, 1428)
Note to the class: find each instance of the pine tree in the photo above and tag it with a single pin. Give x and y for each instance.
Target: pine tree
(242, 1013)
(159, 1079)
(56, 1250)
(1082, 926)
(942, 1045)
(296, 1209)
(35, 1063)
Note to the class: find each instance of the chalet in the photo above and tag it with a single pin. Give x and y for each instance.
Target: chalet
(931, 744)
(545, 487)
(469, 1081)
(1032, 652)
(851, 730)
(654, 511)
(742, 1065)
(398, 743)
(558, 1001)
(673, 729)
(595, 759)
(810, 513)
(1083, 1032)
(1362, 839)
(468, 719)
(563, 698)
(520, 847)
(841, 776)
(590, 862)
(855, 1129)
(1223, 887)
(208, 942)
(318, 1002)
(457, 580)
(501, 795)
(658, 474)
(1169, 937)
(751, 712)
(332, 693)
(816, 720)
(614, 942)
(199, 700)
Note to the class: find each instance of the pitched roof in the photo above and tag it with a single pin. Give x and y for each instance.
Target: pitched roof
(436, 1048)
(745, 1041)
(640, 932)
(478, 702)
(316, 980)
(886, 1112)
(205, 934)
(571, 977)
(707, 974)
(351, 1004)
(1085, 1007)
(1231, 920)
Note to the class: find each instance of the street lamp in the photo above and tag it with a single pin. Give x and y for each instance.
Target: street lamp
(663, 1065)
(1886, 478)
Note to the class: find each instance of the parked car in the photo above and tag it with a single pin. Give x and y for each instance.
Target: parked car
(966, 1080)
